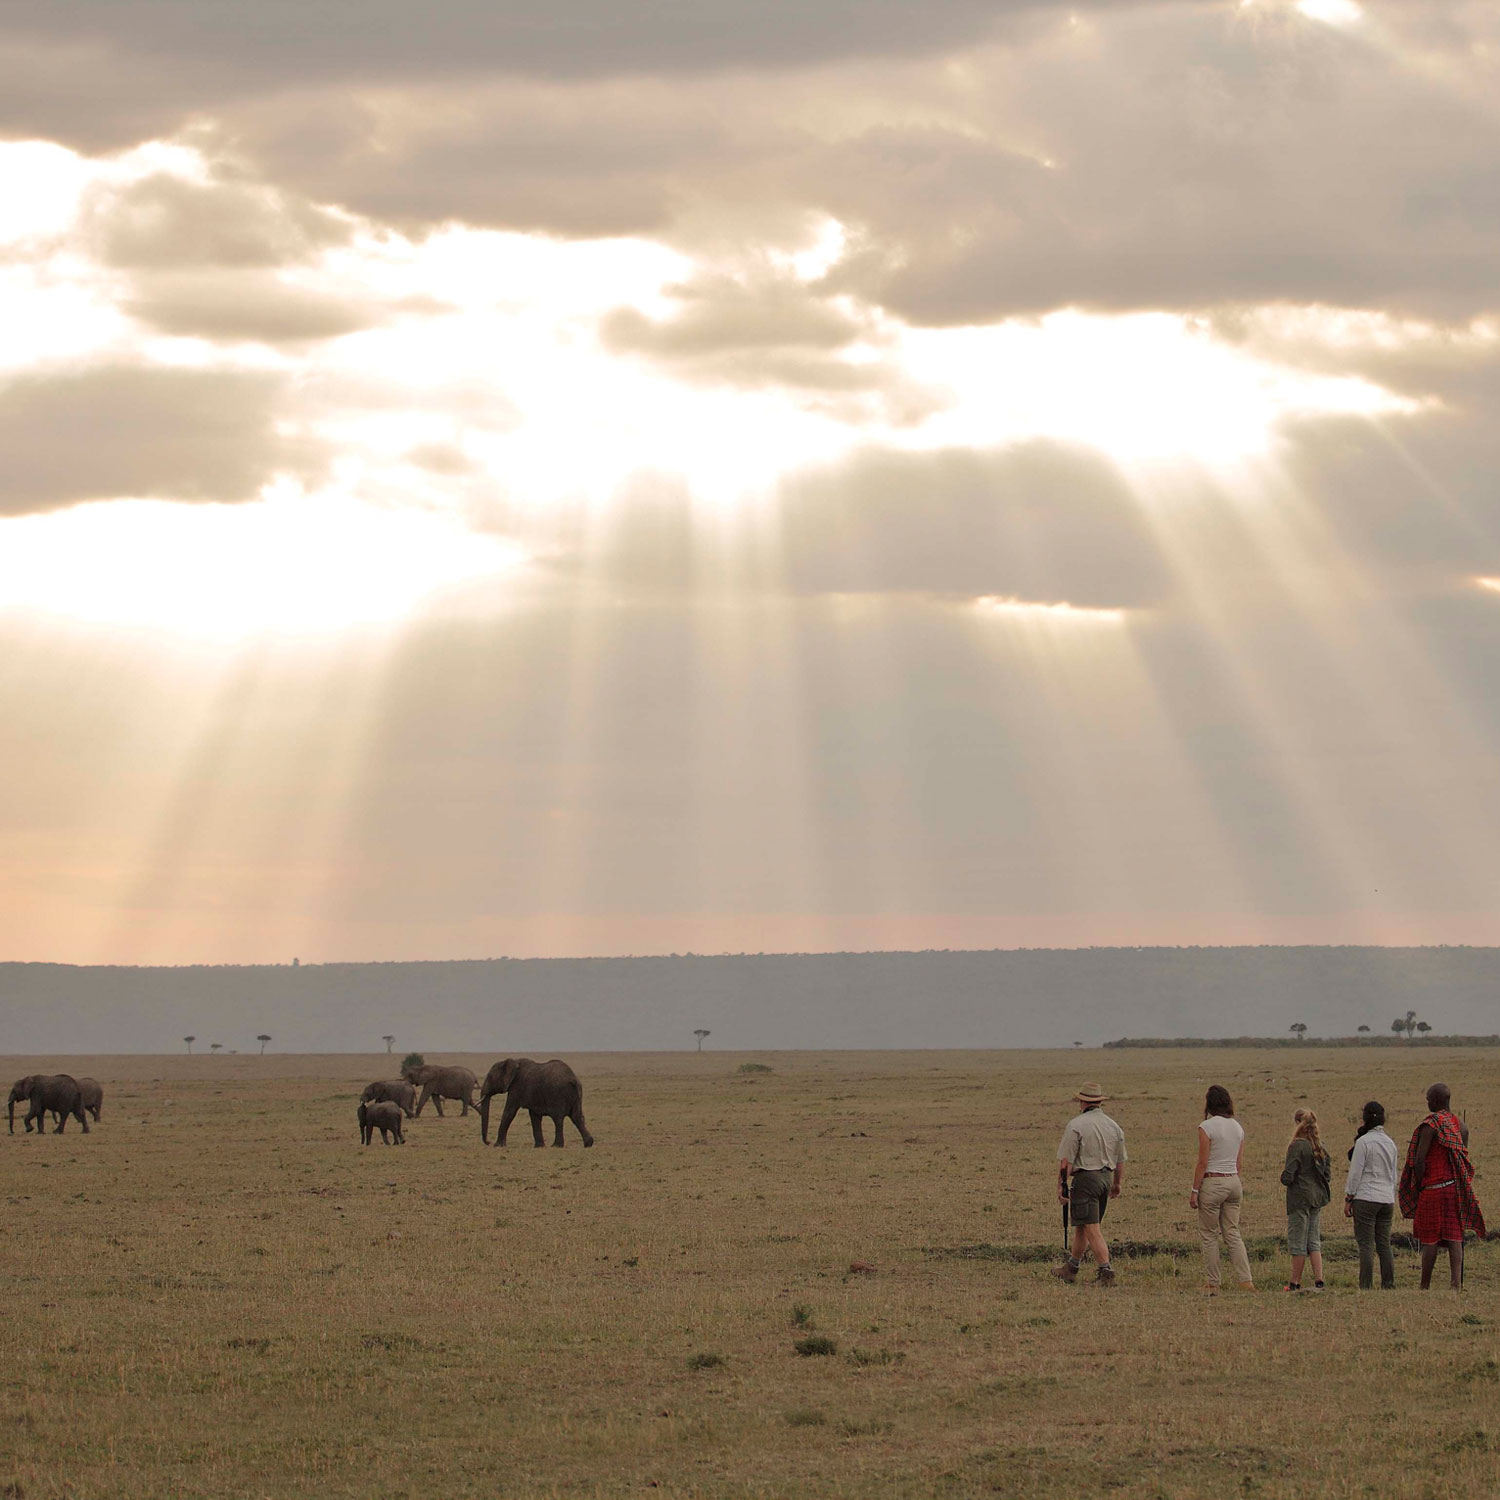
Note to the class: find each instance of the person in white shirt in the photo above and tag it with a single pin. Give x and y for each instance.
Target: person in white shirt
(1370, 1197)
(1217, 1193)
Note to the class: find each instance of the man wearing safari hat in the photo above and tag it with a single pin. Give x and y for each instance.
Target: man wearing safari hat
(1093, 1154)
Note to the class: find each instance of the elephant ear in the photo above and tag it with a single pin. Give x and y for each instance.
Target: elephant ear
(508, 1070)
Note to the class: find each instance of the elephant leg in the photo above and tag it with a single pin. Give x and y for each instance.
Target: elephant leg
(511, 1109)
(576, 1116)
(83, 1120)
(437, 1099)
(57, 1129)
(426, 1095)
(536, 1127)
(557, 1124)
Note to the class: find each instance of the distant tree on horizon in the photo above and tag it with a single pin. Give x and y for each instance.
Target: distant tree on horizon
(412, 1060)
(216, 1046)
(390, 1042)
(1423, 1027)
(1300, 1027)
(263, 1039)
(700, 1033)
(1364, 1028)
(190, 1040)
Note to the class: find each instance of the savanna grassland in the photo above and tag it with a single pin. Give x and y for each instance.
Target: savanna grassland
(219, 1293)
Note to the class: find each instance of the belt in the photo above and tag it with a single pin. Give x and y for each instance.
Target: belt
(1221, 1174)
(1451, 1182)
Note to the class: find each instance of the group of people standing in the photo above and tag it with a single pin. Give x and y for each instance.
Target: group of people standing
(1434, 1189)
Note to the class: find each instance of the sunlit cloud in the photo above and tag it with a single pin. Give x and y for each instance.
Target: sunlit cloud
(287, 566)
(1061, 613)
(1332, 12)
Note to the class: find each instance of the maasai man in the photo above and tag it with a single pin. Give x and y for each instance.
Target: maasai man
(1437, 1186)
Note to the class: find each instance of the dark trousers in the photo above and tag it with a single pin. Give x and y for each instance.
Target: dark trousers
(1372, 1233)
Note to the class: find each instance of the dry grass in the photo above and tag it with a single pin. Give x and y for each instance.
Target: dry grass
(218, 1293)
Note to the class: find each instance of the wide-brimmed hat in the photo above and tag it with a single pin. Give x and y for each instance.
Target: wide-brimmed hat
(1091, 1093)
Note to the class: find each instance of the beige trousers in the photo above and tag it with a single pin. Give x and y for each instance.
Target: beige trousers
(1219, 1215)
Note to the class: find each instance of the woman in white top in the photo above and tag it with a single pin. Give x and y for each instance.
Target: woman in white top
(1370, 1197)
(1216, 1188)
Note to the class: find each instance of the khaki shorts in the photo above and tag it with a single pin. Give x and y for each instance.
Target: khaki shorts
(1088, 1196)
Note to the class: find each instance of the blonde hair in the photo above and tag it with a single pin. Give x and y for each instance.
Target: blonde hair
(1306, 1129)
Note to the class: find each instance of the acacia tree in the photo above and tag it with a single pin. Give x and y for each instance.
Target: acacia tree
(1300, 1027)
(215, 1046)
(1423, 1027)
(700, 1033)
(1399, 1026)
(190, 1040)
(390, 1042)
(1364, 1028)
(263, 1039)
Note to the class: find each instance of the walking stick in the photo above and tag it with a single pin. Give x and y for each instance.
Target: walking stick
(1067, 1249)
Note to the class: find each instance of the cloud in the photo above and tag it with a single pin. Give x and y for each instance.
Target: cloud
(230, 308)
(165, 221)
(1040, 522)
(208, 51)
(1176, 159)
(1044, 522)
(132, 430)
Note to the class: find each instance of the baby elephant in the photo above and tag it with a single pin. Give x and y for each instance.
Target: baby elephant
(384, 1117)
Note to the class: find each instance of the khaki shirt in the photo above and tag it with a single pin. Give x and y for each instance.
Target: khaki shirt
(1092, 1143)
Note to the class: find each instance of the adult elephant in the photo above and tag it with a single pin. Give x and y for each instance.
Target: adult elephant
(549, 1088)
(438, 1083)
(384, 1116)
(92, 1092)
(54, 1093)
(391, 1091)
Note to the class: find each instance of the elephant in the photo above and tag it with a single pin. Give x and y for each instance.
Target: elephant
(549, 1088)
(394, 1091)
(55, 1093)
(439, 1083)
(384, 1116)
(93, 1096)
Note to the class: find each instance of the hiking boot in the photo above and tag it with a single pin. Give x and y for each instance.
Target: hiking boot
(1317, 1286)
(1292, 1286)
(1067, 1271)
(1106, 1276)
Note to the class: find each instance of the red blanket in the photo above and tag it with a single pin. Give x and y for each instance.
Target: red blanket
(1449, 1134)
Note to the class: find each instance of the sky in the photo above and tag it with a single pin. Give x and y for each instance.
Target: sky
(708, 477)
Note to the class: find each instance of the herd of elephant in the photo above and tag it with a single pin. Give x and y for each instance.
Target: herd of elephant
(548, 1090)
(57, 1094)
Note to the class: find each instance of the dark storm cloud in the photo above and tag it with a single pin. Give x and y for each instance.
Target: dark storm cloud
(210, 45)
(128, 430)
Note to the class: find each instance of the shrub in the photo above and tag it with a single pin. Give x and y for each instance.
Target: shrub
(802, 1315)
(817, 1344)
(705, 1361)
(805, 1416)
(755, 1068)
(413, 1060)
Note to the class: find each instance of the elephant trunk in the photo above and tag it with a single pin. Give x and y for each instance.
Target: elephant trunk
(484, 1117)
(12, 1110)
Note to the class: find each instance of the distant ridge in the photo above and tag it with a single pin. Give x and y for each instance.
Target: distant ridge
(1433, 1040)
(1033, 997)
